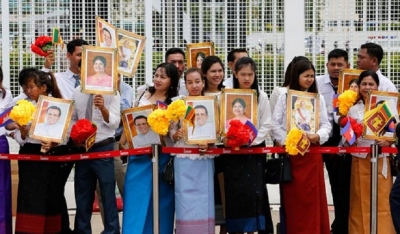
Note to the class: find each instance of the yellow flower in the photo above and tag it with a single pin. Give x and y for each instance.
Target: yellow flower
(176, 110)
(345, 101)
(22, 113)
(292, 139)
(158, 121)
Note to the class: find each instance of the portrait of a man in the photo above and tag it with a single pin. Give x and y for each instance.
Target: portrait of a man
(303, 111)
(105, 33)
(145, 136)
(51, 127)
(202, 127)
(130, 49)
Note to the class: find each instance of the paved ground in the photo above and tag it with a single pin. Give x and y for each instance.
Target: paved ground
(97, 225)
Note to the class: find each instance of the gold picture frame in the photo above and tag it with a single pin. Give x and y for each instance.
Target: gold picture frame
(302, 111)
(130, 49)
(374, 98)
(247, 98)
(97, 78)
(106, 34)
(46, 125)
(206, 121)
(194, 50)
(346, 76)
(139, 134)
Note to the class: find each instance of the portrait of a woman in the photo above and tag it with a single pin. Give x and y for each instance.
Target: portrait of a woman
(100, 78)
(303, 116)
(199, 59)
(353, 85)
(239, 110)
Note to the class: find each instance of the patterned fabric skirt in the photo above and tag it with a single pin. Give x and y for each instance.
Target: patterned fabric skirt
(359, 218)
(304, 198)
(247, 204)
(138, 202)
(194, 196)
(5, 190)
(40, 194)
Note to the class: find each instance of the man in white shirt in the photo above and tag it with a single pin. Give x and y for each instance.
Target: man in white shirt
(202, 129)
(105, 113)
(369, 57)
(52, 127)
(233, 57)
(175, 56)
(145, 136)
(338, 167)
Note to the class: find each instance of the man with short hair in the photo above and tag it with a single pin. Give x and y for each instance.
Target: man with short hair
(369, 57)
(338, 167)
(145, 136)
(202, 129)
(233, 56)
(51, 128)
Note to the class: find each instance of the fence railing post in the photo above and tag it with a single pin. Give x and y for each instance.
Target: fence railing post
(156, 209)
(375, 150)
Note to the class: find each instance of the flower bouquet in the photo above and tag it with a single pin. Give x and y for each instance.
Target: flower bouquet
(176, 110)
(158, 121)
(22, 113)
(42, 45)
(237, 134)
(83, 133)
(345, 101)
(296, 142)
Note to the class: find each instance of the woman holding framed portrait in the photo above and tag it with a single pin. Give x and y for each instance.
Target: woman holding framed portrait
(189, 196)
(138, 208)
(307, 189)
(361, 170)
(213, 72)
(247, 204)
(41, 178)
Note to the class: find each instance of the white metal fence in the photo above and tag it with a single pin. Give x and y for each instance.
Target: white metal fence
(258, 25)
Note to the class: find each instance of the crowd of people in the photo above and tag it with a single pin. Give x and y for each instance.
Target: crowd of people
(227, 190)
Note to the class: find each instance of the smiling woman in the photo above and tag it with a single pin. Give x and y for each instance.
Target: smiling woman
(100, 78)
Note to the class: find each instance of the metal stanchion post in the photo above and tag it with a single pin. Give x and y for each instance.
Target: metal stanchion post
(375, 150)
(156, 215)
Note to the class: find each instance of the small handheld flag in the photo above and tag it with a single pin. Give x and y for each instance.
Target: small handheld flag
(303, 144)
(161, 105)
(378, 118)
(5, 117)
(57, 40)
(348, 133)
(252, 130)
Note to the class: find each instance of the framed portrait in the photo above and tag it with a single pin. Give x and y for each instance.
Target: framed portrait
(302, 111)
(99, 70)
(137, 131)
(238, 104)
(196, 52)
(106, 34)
(52, 119)
(204, 128)
(347, 77)
(374, 99)
(130, 49)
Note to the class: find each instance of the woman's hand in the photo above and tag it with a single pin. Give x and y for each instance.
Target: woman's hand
(203, 148)
(178, 135)
(382, 142)
(314, 138)
(24, 131)
(47, 145)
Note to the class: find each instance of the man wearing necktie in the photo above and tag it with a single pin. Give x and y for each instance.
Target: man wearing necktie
(338, 167)
(67, 82)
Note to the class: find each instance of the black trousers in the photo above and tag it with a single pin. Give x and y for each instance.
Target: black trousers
(339, 172)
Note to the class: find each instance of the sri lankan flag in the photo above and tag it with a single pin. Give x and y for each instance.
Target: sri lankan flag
(57, 40)
(303, 144)
(378, 118)
(189, 116)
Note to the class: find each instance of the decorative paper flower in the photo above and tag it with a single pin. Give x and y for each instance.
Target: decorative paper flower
(176, 110)
(158, 121)
(82, 130)
(237, 134)
(292, 139)
(357, 127)
(22, 113)
(42, 45)
(346, 100)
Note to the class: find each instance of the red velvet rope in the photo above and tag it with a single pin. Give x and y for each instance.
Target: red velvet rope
(175, 150)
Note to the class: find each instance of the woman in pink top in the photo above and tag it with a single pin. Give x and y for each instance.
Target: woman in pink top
(101, 78)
